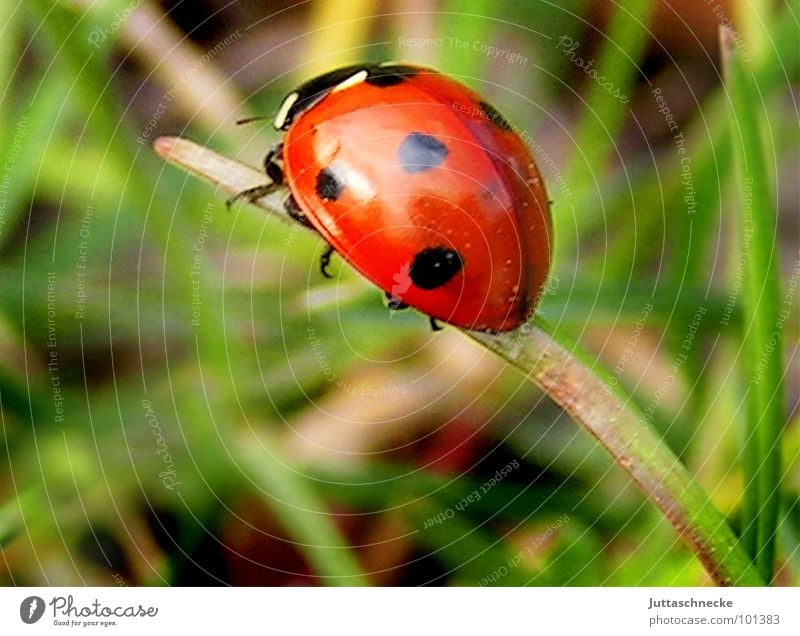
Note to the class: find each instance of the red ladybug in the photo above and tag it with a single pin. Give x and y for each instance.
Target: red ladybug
(421, 186)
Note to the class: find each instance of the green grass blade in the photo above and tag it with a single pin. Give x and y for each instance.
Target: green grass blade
(708, 145)
(761, 325)
(9, 58)
(31, 127)
(605, 110)
(756, 18)
(577, 383)
(12, 523)
(466, 23)
(295, 504)
(9, 522)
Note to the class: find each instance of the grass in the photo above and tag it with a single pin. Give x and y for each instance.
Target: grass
(597, 131)
(303, 514)
(761, 355)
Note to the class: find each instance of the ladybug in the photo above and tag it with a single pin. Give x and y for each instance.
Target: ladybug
(419, 184)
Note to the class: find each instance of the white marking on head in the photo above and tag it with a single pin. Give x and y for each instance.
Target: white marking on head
(354, 79)
(283, 111)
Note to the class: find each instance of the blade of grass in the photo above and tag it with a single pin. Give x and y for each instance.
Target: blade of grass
(573, 382)
(604, 112)
(469, 27)
(63, 37)
(10, 521)
(297, 506)
(9, 58)
(708, 143)
(583, 389)
(227, 458)
(30, 127)
(761, 356)
(751, 17)
(339, 34)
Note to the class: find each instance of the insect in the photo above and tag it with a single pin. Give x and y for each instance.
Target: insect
(419, 184)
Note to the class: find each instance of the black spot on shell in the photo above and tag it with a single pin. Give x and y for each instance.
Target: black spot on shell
(383, 76)
(420, 152)
(434, 266)
(494, 116)
(329, 186)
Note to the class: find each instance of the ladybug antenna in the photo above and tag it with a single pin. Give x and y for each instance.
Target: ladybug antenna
(248, 120)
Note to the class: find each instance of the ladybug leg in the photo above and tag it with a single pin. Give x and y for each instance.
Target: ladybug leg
(274, 172)
(325, 261)
(252, 194)
(294, 211)
(435, 326)
(274, 169)
(394, 303)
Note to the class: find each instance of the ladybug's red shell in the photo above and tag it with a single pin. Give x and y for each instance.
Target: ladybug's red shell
(426, 190)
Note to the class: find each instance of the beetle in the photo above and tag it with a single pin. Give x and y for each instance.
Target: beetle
(419, 184)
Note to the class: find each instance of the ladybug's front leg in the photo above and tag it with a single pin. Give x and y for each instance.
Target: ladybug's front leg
(252, 194)
(274, 169)
(294, 211)
(274, 172)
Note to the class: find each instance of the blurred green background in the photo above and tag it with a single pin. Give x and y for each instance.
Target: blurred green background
(184, 399)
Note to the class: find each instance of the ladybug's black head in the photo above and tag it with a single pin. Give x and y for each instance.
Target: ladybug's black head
(314, 90)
